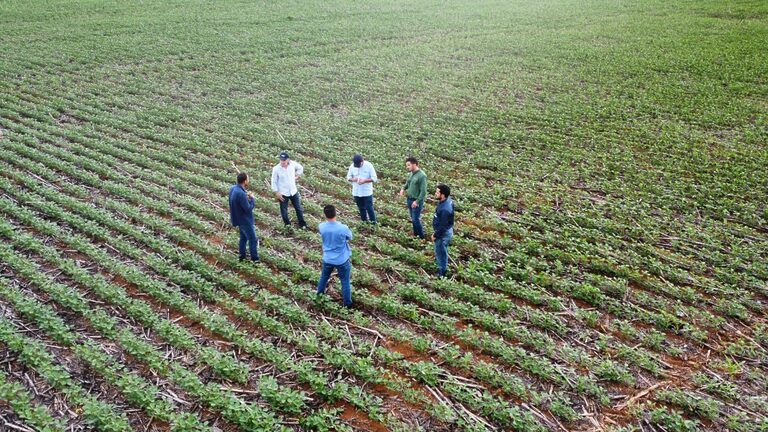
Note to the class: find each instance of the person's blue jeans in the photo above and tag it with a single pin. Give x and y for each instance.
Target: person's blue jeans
(365, 206)
(345, 272)
(416, 217)
(295, 200)
(441, 252)
(248, 235)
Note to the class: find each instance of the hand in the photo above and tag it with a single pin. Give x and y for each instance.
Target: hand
(296, 178)
(433, 237)
(415, 204)
(353, 179)
(360, 181)
(279, 196)
(250, 195)
(402, 192)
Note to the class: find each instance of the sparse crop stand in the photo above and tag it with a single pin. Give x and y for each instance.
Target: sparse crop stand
(609, 162)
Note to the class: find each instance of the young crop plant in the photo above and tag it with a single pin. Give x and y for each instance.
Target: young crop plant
(134, 388)
(672, 420)
(715, 385)
(101, 415)
(704, 407)
(286, 399)
(22, 404)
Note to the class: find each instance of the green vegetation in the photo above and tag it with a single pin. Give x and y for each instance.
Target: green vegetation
(608, 161)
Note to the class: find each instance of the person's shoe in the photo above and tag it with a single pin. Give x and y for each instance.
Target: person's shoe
(241, 259)
(304, 228)
(256, 261)
(349, 306)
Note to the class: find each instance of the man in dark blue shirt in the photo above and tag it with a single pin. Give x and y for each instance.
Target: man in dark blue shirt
(241, 215)
(442, 224)
(336, 254)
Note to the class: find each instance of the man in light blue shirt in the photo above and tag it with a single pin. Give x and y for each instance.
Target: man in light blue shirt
(336, 254)
(362, 175)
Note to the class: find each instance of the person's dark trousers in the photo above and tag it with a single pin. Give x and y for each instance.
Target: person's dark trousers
(248, 235)
(441, 252)
(295, 200)
(416, 218)
(344, 271)
(365, 206)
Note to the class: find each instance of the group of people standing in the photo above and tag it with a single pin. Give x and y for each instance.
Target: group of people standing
(336, 235)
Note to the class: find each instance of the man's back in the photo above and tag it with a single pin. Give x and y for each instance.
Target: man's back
(335, 237)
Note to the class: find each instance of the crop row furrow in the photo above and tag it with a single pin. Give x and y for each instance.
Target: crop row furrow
(136, 390)
(515, 356)
(526, 313)
(108, 327)
(100, 415)
(230, 302)
(213, 322)
(22, 403)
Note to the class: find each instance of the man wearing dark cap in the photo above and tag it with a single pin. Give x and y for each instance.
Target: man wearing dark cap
(241, 215)
(362, 175)
(284, 176)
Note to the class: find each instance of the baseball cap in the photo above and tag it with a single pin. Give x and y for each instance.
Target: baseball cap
(357, 160)
(284, 156)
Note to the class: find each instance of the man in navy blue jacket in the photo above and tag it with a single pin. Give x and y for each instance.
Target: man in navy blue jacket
(241, 215)
(442, 224)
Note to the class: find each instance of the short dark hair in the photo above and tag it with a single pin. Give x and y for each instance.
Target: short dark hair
(242, 177)
(444, 189)
(330, 211)
(412, 160)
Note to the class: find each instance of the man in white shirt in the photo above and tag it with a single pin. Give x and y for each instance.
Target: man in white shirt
(362, 175)
(284, 176)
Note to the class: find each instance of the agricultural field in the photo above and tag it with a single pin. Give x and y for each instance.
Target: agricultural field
(608, 161)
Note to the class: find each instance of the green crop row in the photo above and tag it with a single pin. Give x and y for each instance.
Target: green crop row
(32, 353)
(21, 402)
(80, 223)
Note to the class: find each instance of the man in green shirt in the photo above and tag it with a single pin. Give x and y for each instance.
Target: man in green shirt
(415, 190)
